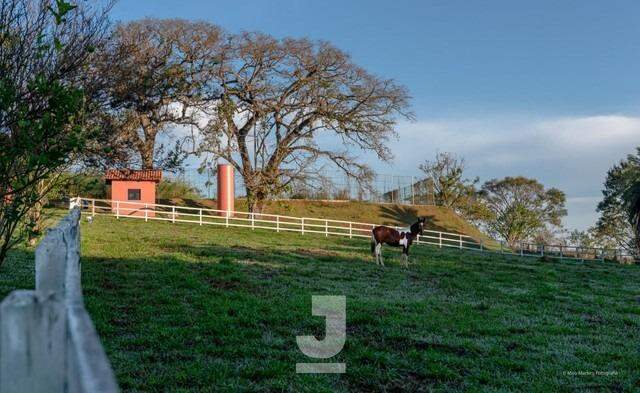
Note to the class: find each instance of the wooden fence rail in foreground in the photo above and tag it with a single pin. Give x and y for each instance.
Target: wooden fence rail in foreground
(328, 227)
(47, 340)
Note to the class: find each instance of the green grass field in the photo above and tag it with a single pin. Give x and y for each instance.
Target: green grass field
(186, 308)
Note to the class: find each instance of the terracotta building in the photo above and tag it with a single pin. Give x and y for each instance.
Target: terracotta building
(132, 190)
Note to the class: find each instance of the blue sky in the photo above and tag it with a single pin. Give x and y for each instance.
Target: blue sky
(546, 89)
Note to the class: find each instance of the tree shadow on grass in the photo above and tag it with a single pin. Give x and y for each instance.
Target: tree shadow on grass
(199, 204)
(407, 215)
(432, 223)
(398, 214)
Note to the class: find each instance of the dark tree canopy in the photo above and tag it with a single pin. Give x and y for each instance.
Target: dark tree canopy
(619, 209)
(279, 96)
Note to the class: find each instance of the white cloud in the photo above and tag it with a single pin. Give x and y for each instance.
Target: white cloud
(571, 153)
(593, 133)
(505, 140)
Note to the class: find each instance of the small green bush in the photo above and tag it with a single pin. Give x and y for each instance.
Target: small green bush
(79, 184)
(168, 189)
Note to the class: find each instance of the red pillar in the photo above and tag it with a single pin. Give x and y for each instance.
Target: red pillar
(226, 194)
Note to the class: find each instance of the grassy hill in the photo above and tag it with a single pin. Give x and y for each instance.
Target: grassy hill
(181, 307)
(438, 218)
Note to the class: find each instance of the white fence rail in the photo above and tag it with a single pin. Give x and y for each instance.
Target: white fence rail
(47, 340)
(279, 223)
(560, 251)
(327, 227)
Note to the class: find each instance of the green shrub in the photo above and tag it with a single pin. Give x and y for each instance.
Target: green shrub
(168, 189)
(79, 184)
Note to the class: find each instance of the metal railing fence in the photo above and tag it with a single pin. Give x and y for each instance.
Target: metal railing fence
(327, 185)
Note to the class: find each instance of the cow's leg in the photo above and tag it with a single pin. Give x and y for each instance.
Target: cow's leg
(374, 242)
(379, 253)
(405, 255)
(374, 250)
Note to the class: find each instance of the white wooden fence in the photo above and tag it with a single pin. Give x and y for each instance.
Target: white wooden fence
(278, 223)
(47, 340)
(327, 227)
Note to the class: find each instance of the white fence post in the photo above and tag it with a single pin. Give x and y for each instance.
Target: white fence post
(73, 202)
(326, 228)
(200, 216)
(460, 236)
(32, 343)
(277, 223)
(117, 209)
(350, 231)
(303, 225)
(253, 225)
(51, 268)
(88, 369)
(173, 214)
(146, 212)
(440, 239)
(226, 219)
(47, 340)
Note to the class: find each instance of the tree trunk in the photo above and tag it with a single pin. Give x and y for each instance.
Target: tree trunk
(146, 147)
(255, 201)
(34, 216)
(636, 228)
(3, 251)
(35, 223)
(513, 242)
(8, 224)
(146, 155)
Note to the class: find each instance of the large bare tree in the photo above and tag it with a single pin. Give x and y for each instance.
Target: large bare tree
(156, 74)
(451, 188)
(279, 98)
